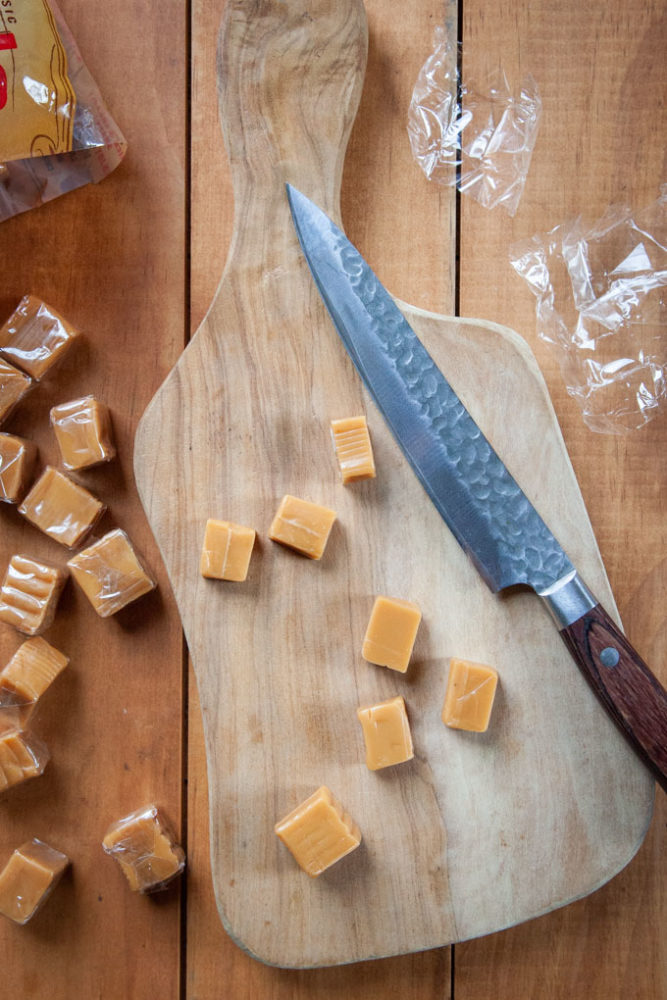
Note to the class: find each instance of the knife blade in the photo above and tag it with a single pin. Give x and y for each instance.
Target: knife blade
(484, 507)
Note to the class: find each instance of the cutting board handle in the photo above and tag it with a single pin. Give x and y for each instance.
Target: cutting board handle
(289, 83)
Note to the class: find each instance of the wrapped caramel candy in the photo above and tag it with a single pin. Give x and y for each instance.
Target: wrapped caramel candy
(144, 847)
(17, 461)
(29, 594)
(28, 878)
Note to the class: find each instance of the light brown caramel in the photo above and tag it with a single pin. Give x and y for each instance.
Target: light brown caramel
(144, 847)
(22, 756)
(110, 574)
(318, 832)
(17, 462)
(30, 593)
(354, 452)
(83, 432)
(61, 508)
(28, 878)
(386, 733)
(391, 633)
(302, 525)
(14, 384)
(35, 337)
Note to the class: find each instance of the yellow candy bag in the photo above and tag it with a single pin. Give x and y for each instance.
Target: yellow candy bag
(55, 131)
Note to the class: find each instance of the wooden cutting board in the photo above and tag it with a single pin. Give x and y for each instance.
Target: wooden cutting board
(478, 831)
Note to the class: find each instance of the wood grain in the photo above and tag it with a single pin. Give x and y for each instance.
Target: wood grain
(127, 272)
(266, 335)
(110, 257)
(599, 69)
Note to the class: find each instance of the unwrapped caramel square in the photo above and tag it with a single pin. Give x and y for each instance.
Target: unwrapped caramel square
(302, 525)
(35, 337)
(318, 832)
(28, 878)
(30, 593)
(14, 384)
(83, 431)
(110, 574)
(226, 551)
(391, 633)
(471, 690)
(386, 733)
(352, 444)
(17, 462)
(145, 848)
(61, 508)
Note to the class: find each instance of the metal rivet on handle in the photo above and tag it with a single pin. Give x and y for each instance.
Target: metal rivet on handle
(609, 657)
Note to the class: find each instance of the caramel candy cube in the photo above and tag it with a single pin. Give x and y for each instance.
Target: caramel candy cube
(226, 551)
(13, 387)
(318, 832)
(471, 689)
(35, 337)
(83, 432)
(353, 448)
(391, 633)
(386, 733)
(144, 847)
(28, 878)
(30, 593)
(17, 461)
(110, 574)
(61, 508)
(302, 526)
(31, 670)
(22, 756)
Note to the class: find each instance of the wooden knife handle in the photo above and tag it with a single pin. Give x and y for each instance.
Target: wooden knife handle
(632, 696)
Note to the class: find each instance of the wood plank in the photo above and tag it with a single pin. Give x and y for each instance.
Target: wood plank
(600, 71)
(110, 257)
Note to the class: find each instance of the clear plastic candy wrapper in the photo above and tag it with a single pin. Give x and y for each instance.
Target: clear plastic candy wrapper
(479, 138)
(144, 846)
(602, 306)
(56, 133)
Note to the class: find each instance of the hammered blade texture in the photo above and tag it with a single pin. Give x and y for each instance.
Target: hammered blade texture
(470, 486)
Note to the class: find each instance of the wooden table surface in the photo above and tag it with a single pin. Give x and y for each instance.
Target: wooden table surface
(134, 262)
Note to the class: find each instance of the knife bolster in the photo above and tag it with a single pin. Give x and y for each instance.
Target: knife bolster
(568, 600)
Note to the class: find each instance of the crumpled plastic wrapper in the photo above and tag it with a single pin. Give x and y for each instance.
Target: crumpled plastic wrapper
(602, 305)
(56, 133)
(479, 139)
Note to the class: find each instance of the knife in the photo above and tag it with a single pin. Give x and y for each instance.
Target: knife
(479, 500)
